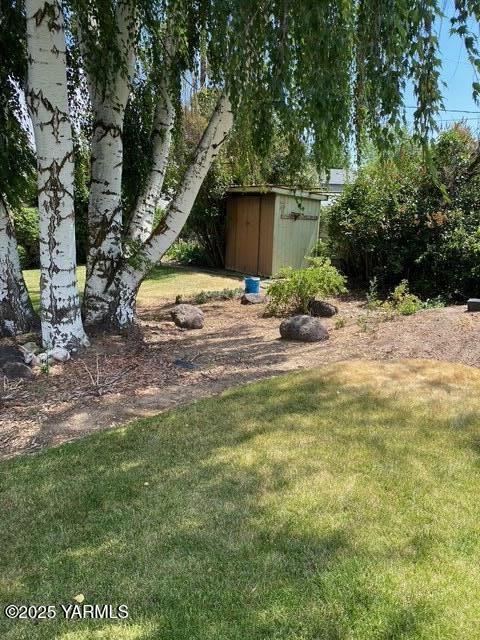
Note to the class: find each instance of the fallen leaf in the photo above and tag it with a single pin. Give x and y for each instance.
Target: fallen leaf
(79, 598)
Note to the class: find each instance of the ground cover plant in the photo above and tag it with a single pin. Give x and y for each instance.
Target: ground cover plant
(342, 515)
(400, 302)
(294, 289)
(225, 294)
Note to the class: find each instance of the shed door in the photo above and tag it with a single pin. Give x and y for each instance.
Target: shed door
(296, 231)
(247, 236)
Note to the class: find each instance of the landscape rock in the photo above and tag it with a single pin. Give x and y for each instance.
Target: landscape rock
(59, 354)
(187, 316)
(321, 309)
(303, 328)
(30, 359)
(16, 370)
(473, 304)
(45, 358)
(10, 354)
(252, 298)
(31, 347)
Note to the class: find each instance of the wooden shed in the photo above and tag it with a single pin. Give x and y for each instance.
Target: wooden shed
(270, 227)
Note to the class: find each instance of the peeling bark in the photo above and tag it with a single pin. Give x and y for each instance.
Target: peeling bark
(48, 107)
(16, 311)
(105, 203)
(130, 276)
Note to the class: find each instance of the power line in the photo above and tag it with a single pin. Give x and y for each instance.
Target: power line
(453, 111)
(462, 119)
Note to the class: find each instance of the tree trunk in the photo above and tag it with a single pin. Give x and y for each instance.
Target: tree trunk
(130, 276)
(104, 211)
(105, 221)
(48, 107)
(16, 311)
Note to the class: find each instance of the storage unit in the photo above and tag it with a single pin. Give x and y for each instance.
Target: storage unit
(271, 227)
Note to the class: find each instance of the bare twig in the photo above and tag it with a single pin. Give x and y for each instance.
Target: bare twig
(100, 386)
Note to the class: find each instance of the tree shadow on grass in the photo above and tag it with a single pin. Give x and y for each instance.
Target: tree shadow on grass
(251, 515)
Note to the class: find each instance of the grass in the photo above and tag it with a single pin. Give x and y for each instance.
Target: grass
(335, 504)
(164, 282)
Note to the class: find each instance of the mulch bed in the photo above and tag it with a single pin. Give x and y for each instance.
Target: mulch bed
(160, 366)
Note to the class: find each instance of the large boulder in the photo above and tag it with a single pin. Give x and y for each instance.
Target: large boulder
(187, 316)
(303, 328)
(252, 298)
(321, 309)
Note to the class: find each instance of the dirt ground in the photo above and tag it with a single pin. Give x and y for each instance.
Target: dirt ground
(122, 378)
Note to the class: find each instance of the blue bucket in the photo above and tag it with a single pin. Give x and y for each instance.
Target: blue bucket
(252, 285)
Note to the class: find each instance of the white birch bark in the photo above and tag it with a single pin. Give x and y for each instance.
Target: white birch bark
(130, 277)
(143, 217)
(105, 206)
(47, 103)
(16, 312)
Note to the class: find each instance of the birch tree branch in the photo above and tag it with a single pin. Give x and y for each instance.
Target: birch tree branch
(142, 221)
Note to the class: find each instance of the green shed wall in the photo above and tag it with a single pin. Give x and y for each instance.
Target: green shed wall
(293, 239)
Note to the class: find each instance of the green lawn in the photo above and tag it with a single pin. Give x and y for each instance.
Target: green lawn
(336, 504)
(164, 282)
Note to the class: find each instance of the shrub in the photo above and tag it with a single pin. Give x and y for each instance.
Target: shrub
(27, 234)
(402, 218)
(23, 257)
(295, 288)
(404, 302)
(400, 301)
(188, 253)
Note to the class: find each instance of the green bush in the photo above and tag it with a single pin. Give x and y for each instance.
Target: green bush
(188, 253)
(403, 218)
(404, 302)
(400, 301)
(27, 234)
(295, 288)
(23, 256)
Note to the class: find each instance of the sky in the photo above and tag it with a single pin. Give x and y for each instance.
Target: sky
(457, 74)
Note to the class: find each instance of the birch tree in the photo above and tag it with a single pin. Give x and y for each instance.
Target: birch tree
(47, 102)
(16, 168)
(109, 93)
(16, 312)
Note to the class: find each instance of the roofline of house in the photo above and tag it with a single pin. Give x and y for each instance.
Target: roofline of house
(315, 194)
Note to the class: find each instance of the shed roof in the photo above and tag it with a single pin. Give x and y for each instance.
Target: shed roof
(280, 189)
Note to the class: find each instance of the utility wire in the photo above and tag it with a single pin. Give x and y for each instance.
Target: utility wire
(452, 111)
